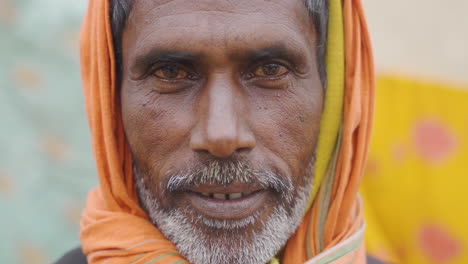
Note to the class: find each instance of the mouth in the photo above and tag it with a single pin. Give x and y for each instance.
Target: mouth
(225, 196)
(232, 202)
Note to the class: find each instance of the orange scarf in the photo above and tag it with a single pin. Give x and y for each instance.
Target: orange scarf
(114, 229)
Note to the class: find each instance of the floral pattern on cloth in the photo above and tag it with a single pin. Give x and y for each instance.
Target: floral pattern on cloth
(46, 165)
(415, 185)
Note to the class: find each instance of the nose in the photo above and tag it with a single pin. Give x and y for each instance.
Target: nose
(222, 127)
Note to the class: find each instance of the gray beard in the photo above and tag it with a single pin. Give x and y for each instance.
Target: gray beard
(236, 241)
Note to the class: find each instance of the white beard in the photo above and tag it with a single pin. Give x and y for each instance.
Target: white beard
(232, 245)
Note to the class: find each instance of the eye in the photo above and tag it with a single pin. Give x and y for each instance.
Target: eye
(270, 70)
(170, 72)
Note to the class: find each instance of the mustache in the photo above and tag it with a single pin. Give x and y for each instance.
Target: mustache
(226, 172)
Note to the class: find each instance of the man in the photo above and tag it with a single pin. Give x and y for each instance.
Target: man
(223, 134)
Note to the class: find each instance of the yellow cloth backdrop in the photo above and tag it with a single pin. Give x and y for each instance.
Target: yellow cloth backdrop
(415, 188)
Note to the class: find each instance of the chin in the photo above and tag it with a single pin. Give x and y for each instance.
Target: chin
(254, 238)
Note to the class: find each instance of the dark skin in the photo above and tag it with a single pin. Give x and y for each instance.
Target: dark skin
(220, 79)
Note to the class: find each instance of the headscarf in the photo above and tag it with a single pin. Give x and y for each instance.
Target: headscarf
(115, 229)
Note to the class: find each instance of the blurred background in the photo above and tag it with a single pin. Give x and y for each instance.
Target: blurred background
(416, 178)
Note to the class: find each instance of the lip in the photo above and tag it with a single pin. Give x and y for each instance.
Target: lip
(228, 209)
(232, 188)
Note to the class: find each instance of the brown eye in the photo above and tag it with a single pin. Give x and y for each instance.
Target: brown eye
(270, 70)
(170, 72)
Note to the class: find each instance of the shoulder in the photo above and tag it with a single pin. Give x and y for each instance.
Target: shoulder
(74, 256)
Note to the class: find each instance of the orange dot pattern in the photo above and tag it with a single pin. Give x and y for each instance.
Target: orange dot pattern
(415, 185)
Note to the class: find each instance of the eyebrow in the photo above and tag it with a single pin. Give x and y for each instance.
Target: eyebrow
(156, 54)
(275, 51)
(189, 58)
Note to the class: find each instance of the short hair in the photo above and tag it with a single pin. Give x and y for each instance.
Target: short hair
(317, 9)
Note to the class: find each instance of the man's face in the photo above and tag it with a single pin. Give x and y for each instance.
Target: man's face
(221, 104)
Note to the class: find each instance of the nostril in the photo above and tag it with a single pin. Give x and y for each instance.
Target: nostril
(243, 149)
(202, 151)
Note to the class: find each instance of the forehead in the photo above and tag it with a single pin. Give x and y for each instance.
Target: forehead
(223, 24)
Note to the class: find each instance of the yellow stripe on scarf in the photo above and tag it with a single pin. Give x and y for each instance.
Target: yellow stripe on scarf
(333, 107)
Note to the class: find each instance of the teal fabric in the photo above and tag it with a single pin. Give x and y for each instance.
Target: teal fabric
(46, 165)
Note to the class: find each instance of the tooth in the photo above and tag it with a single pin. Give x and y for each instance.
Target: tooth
(205, 194)
(233, 196)
(246, 193)
(220, 196)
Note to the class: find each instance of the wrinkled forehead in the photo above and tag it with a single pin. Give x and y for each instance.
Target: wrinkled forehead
(223, 24)
(275, 11)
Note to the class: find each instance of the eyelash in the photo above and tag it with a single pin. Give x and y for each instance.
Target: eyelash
(252, 69)
(250, 75)
(157, 66)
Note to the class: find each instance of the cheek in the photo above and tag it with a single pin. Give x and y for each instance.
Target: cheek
(155, 126)
(288, 125)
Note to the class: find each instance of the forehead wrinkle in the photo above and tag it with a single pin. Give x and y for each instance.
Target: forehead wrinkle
(159, 22)
(222, 33)
(219, 47)
(161, 10)
(147, 33)
(214, 5)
